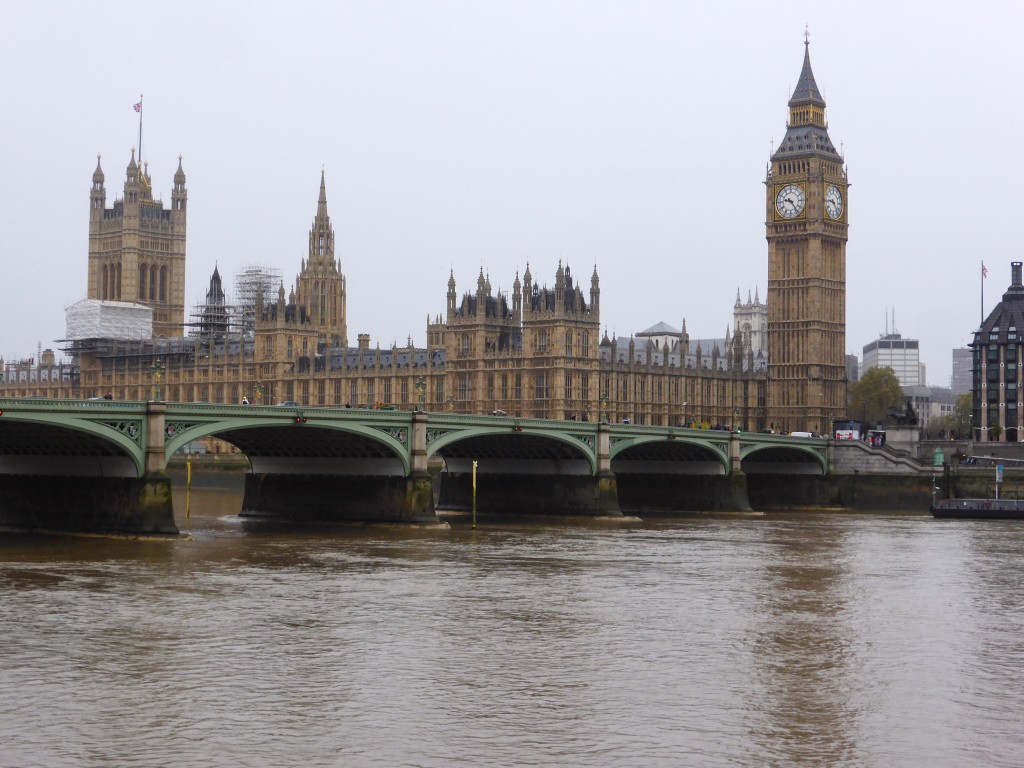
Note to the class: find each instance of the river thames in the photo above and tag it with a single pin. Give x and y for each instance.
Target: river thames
(816, 639)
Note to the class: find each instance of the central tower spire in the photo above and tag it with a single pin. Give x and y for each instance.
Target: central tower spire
(321, 208)
(320, 286)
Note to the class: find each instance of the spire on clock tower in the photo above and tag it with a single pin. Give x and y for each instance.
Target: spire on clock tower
(807, 127)
(806, 91)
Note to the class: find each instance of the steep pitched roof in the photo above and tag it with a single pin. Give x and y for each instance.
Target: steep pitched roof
(806, 91)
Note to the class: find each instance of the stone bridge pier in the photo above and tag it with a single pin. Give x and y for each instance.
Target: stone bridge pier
(154, 509)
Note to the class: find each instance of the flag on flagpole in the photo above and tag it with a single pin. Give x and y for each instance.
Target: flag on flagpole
(138, 107)
(984, 274)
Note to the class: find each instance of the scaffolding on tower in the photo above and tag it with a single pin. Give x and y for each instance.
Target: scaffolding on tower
(251, 282)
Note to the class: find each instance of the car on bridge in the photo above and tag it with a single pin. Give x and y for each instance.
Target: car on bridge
(289, 404)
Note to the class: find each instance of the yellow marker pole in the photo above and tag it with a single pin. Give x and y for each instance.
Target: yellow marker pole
(188, 488)
(474, 494)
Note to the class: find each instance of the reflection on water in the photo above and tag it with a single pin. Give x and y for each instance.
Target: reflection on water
(716, 641)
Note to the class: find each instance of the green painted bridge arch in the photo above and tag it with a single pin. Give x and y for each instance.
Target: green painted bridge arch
(784, 455)
(638, 449)
(298, 440)
(504, 445)
(83, 438)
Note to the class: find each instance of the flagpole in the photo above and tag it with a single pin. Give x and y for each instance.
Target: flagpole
(140, 129)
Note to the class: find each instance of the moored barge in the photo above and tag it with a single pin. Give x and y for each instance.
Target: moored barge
(981, 509)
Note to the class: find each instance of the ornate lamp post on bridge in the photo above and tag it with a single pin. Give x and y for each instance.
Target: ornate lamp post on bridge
(158, 373)
(421, 391)
(258, 393)
(604, 407)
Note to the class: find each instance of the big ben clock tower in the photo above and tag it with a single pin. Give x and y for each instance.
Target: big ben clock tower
(806, 222)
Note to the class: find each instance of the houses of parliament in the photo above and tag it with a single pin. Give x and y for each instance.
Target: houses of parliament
(537, 352)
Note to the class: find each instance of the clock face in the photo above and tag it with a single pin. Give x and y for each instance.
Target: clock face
(790, 201)
(833, 202)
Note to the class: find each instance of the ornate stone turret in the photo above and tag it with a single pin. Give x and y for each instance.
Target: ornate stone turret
(481, 293)
(451, 293)
(179, 197)
(132, 182)
(98, 193)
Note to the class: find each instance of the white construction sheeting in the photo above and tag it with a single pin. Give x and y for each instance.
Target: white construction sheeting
(94, 319)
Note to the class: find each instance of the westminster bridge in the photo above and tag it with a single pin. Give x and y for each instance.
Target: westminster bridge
(101, 465)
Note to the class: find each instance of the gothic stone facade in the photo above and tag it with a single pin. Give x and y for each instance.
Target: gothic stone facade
(539, 355)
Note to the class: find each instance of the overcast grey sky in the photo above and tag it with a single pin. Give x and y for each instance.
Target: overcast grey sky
(461, 135)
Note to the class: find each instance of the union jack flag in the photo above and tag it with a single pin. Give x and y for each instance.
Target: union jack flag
(138, 107)
(984, 270)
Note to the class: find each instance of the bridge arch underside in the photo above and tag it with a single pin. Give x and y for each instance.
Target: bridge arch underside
(782, 477)
(59, 451)
(306, 450)
(668, 457)
(782, 460)
(523, 474)
(304, 473)
(515, 454)
(672, 476)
